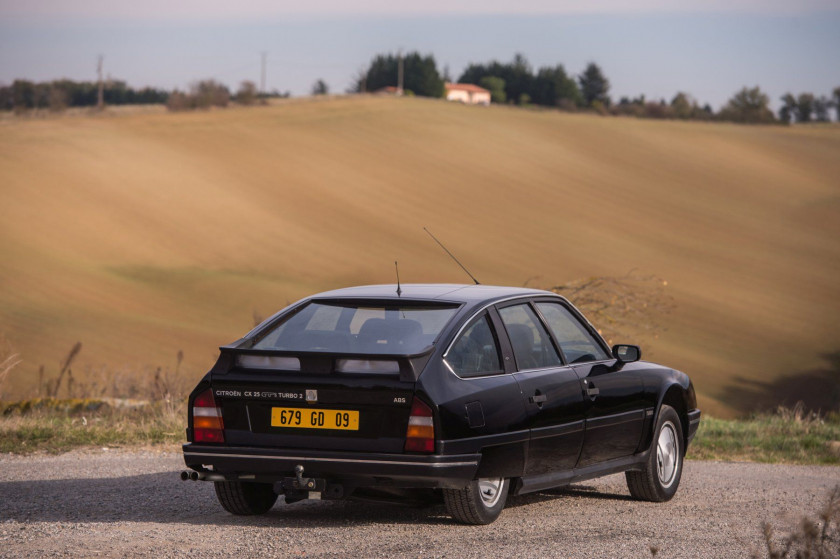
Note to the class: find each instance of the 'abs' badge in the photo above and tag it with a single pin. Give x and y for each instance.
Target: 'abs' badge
(311, 396)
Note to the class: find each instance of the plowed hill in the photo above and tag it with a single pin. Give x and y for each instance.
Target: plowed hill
(144, 235)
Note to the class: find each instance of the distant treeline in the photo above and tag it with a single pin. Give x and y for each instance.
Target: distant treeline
(210, 93)
(60, 94)
(514, 82)
(517, 83)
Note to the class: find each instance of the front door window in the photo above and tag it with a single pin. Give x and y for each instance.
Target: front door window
(532, 345)
(578, 345)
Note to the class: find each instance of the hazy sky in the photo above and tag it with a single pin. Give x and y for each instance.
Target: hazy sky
(656, 47)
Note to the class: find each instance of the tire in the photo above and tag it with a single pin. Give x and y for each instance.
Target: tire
(660, 478)
(480, 502)
(244, 497)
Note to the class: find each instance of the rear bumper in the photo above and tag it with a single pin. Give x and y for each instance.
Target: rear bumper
(271, 465)
(693, 423)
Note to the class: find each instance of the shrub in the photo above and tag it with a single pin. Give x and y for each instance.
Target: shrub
(247, 93)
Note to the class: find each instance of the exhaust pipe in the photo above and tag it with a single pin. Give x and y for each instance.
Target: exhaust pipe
(203, 476)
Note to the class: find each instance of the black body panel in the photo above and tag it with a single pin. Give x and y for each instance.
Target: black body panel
(556, 418)
(615, 413)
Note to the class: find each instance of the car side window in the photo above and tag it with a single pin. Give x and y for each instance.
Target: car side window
(476, 351)
(531, 343)
(577, 343)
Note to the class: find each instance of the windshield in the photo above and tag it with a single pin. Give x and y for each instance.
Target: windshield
(368, 328)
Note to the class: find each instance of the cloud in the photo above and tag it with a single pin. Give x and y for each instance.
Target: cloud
(249, 10)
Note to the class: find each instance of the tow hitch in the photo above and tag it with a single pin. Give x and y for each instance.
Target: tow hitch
(299, 488)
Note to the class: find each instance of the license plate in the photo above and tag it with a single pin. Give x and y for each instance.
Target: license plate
(303, 418)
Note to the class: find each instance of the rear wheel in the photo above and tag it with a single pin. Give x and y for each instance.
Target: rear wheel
(480, 502)
(245, 498)
(659, 479)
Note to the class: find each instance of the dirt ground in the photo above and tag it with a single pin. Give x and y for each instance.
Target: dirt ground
(133, 504)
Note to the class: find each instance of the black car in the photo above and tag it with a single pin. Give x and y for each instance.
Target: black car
(467, 393)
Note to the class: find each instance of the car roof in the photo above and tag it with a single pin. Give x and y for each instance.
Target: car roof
(443, 292)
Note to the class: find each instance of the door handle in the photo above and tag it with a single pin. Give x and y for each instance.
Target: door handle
(592, 392)
(538, 399)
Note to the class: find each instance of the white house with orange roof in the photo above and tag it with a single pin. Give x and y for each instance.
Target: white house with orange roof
(467, 93)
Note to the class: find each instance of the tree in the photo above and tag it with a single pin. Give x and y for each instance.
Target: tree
(553, 87)
(320, 87)
(804, 107)
(748, 105)
(630, 107)
(594, 86)
(7, 100)
(210, 93)
(788, 108)
(836, 94)
(496, 87)
(520, 80)
(359, 82)
(822, 104)
(683, 106)
(247, 93)
(177, 101)
(58, 99)
(420, 74)
(654, 109)
(23, 95)
(517, 76)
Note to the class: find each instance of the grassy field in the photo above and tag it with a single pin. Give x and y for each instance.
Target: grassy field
(58, 425)
(143, 235)
(54, 426)
(769, 438)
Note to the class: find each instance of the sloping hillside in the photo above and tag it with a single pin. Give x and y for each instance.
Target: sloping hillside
(144, 235)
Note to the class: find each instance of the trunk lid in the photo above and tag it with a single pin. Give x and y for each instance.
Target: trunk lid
(317, 407)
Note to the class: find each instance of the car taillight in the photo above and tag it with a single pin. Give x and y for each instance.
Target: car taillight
(207, 419)
(420, 435)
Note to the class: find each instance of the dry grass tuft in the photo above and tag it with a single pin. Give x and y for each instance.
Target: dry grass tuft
(813, 539)
(8, 360)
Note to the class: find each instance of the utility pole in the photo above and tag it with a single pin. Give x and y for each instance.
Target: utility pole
(100, 98)
(400, 72)
(262, 74)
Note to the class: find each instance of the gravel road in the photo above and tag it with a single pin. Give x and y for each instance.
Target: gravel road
(119, 503)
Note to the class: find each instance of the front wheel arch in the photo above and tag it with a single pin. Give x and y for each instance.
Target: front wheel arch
(674, 397)
(659, 477)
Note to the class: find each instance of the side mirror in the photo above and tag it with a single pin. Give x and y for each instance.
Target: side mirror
(627, 353)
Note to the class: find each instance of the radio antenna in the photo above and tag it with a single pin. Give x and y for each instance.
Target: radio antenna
(399, 289)
(472, 277)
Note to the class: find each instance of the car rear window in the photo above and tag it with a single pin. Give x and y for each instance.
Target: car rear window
(363, 328)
